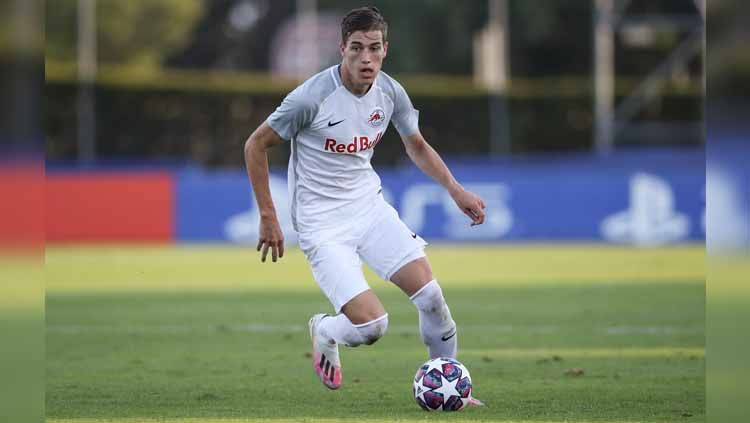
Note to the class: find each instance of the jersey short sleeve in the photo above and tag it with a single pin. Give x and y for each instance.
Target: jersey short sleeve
(405, 117)
(294, 113)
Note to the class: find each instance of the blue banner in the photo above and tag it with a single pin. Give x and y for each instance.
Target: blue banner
(637, 198)
(728, 192)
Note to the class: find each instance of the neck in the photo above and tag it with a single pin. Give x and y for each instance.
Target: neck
(346, 79)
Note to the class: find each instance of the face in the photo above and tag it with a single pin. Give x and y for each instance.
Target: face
(363, 56)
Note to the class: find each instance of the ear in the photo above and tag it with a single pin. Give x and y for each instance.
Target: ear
(385, 49)
(342, 48)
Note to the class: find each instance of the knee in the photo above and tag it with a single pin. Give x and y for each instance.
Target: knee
(373, 330)
(430, 298)
(378, 330)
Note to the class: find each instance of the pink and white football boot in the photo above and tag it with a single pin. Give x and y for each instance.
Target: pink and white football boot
(325, 356)
(475, 402)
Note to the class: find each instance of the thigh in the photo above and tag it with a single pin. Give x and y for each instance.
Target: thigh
(338, 271)
(389, 244)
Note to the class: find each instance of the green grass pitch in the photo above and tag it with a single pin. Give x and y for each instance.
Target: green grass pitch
(210, 334)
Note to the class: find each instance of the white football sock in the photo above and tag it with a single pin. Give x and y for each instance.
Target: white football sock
(341, 330)
(436, 325)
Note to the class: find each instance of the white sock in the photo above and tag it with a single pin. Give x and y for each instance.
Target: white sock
(341, 330)
(436, 325)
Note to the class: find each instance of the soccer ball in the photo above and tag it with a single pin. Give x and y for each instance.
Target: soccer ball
(442, 384)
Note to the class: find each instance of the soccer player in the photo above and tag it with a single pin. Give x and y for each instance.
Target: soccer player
(334, 120)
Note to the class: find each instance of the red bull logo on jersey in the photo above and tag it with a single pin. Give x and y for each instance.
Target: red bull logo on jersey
(359, 143)
(377, 117)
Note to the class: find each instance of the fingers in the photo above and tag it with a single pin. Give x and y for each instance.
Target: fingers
(473, 206)
(479, 217)
(276, 248)
(264, 253)
(478, 211)
(270, 237)
(476, 215)
(472, 215)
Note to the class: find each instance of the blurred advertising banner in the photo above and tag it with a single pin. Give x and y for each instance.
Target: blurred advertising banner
(728, 195)
(633, 198)
(110, 206)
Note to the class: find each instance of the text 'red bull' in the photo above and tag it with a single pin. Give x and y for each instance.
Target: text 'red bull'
(358, 144)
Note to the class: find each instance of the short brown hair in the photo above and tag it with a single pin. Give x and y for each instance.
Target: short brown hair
(363, 19)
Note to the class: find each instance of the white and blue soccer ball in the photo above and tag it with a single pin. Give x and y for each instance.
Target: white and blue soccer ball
(442, 384)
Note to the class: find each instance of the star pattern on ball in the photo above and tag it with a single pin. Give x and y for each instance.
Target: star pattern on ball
(435, 364)
(448, 388)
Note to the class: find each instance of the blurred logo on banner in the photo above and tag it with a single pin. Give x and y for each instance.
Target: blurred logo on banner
(418, 198)
(651, 218)
(243, 227)
(726, 217)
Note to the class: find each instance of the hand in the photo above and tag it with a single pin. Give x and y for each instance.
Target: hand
(270, 236)
(471, 204)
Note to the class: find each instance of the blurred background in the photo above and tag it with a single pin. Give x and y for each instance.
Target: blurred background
(594, 107)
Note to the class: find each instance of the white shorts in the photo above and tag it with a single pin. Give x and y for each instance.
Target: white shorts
(378, 237)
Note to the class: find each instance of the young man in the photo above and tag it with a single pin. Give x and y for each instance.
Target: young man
(334, 120)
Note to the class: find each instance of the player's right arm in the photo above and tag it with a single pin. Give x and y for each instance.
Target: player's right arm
(256, 161)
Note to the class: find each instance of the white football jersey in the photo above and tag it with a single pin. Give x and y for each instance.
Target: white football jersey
(333, 134)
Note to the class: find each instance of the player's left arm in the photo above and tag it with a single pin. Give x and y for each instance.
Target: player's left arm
(429, 162)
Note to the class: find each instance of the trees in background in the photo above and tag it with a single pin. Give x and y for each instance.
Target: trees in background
(132, 32)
